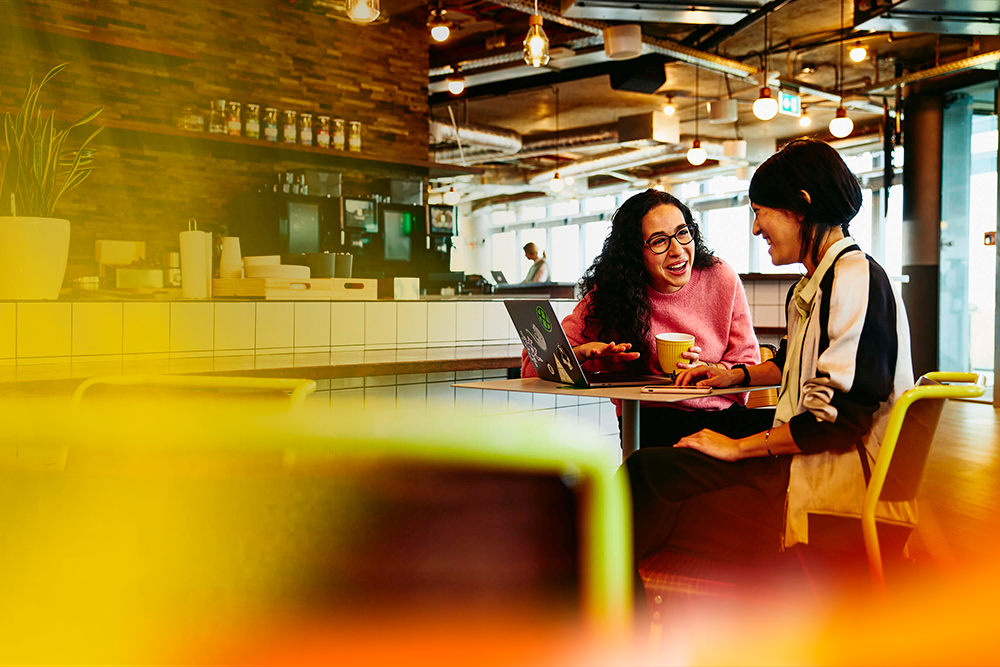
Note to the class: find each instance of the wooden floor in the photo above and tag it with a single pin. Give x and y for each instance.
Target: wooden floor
(959, 523)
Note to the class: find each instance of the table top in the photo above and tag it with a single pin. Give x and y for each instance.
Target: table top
(539, 386)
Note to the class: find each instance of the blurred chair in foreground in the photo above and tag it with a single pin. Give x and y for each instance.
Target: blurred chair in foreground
(169, 385)
(679, 581)
(224, 534)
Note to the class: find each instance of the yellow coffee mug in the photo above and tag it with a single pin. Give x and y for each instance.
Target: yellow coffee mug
(669, 348)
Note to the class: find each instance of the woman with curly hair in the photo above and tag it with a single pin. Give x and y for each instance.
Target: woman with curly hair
(656, 275)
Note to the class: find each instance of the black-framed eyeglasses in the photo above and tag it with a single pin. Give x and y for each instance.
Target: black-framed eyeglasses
(660, 243)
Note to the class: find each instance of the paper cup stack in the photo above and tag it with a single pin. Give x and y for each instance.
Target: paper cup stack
(230, 264)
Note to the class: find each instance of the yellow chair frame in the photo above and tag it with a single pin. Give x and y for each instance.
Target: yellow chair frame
(299, 388)
(888, 447)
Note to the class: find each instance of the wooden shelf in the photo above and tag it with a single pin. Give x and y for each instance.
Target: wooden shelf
(123, 133)
(60, 37)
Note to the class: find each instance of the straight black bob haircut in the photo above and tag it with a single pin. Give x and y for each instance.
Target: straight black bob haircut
(816, 167)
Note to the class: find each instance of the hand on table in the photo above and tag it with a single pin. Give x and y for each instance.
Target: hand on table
(708, 376)
(605, 353)
(714, 444)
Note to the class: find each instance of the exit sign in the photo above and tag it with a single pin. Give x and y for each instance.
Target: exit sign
(789, 104)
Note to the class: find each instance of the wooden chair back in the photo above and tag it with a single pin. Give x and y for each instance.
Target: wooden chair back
(764, 398)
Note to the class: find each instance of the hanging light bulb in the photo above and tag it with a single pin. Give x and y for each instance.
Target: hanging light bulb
(456, 84)
(568, 180)
(858, 52)
(697, 155)
(765, 107)
(557, 184)
(440, 32)
(841, 125)
(804, 119)
(659, 188)
(451, 197)
(362, 11)
(536, 44)
(669, 107)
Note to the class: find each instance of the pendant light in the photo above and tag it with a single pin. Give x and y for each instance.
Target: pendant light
(804, 119)
(841, 125)
(696, 155)
(362, 11)
(557, 184)
(765, 107)
(456, 83)
(536, 44)
(858, 52)
(451, 197)
(669, 107)
(440, 29)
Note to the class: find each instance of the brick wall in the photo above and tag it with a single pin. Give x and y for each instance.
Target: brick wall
(144, 59)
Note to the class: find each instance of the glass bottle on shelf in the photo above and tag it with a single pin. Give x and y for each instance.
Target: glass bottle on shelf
(271, 124)
(252, 126)
(234, 119)
(190, 119)
(354, 142)
(217, 118)
(338, 136)
(323, 131)
(306, 129)
(290, 133)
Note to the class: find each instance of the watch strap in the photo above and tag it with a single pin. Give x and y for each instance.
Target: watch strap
(746, 374)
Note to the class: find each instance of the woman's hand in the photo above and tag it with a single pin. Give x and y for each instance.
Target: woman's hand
(714, 444)
(709, 376)
(605, 353)
(693, 354)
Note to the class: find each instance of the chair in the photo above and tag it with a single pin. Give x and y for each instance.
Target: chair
(764, 398)
(672, 576)
(298, 388)
(275, 530)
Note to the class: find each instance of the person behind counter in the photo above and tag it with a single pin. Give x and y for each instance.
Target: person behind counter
(845, 362)
(656, 275)
(539, 271)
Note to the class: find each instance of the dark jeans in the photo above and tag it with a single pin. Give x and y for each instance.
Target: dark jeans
(664, 426)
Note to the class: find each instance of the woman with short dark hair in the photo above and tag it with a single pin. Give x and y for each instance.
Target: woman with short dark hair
(844, 363)
(656, 275)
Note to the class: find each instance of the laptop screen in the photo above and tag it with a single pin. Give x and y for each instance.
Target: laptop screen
(499, 277)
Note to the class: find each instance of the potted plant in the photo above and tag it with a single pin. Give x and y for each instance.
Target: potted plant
(36, 169)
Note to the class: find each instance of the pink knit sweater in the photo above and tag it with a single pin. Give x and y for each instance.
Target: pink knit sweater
(712, 307)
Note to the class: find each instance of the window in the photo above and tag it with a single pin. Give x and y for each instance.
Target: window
(501, 218)
(564, 260)
(532, 213)
(594, 234)
(505, 251)
(565, 208)
(600, 204)
(727, 233)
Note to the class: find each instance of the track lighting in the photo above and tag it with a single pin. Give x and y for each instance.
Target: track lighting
(536, 43)
(456, 84)
(697, 155)
(362, 11)
(858, 52)
(451, 197)
(841, 125)
(765, 107)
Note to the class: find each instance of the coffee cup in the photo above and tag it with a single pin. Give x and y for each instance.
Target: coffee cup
(669, 348)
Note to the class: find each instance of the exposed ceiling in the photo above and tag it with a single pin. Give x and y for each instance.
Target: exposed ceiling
(701, 54)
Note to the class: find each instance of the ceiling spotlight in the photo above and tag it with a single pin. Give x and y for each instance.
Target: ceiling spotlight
(451, 197)
(456, 84)
(765, 107)
(697, 154)
(362, 11)
(804, 119)
(536, 44)
(841, 125)
(858, 52)
(557, 184)
(669, 107)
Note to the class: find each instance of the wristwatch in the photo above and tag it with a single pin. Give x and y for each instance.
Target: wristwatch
(746, 374)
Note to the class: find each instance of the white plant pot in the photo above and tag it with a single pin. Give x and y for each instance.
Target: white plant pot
(33, 254)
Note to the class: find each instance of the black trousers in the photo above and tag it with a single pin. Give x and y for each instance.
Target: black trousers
(664, 426)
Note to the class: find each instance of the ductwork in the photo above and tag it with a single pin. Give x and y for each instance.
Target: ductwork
(505, 142)
(621, 159)
(597, 135)
(932, 73)
(709, 61)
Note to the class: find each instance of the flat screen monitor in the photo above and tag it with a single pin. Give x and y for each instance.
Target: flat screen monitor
(398, 225)
(303, 227)
(360, 214)
(443, 220)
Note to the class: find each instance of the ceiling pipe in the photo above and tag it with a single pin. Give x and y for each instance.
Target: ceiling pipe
(932, 73)
(507, 142)
(583, 137)
(666, 47)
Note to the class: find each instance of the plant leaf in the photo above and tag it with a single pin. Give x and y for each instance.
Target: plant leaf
(87, 117)
(69, 185)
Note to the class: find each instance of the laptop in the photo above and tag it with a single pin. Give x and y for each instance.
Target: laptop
(552, 355)
(499, 277)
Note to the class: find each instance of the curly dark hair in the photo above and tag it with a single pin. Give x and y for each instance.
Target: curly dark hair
(616, 281)
(815, 167)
